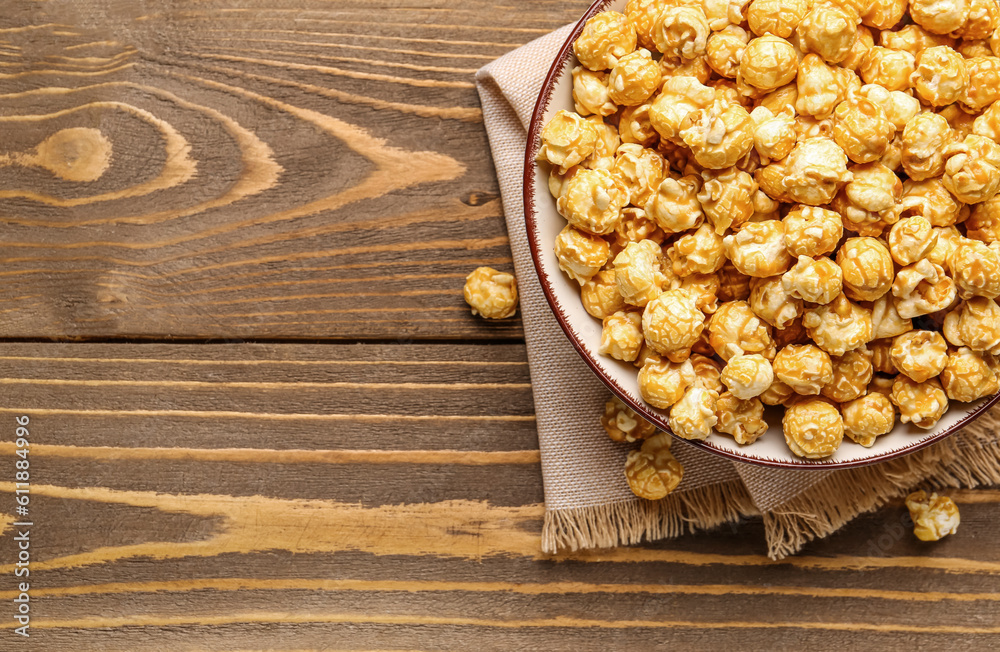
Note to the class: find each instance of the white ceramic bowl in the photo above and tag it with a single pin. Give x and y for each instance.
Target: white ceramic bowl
(563, 294)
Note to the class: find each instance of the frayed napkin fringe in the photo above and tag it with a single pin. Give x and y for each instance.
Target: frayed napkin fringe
(615, 524)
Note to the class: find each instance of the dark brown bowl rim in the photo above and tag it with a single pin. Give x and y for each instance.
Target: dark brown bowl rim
(531, 149)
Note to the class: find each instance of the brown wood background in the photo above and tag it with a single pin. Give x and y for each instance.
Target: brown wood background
(234, 235)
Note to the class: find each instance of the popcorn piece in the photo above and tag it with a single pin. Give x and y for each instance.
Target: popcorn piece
(984, 221)
(781, 100)
(580, 254)
(899, 107)
(886, 322)
(972, 170)
(708, 372)
(734, 323)
(600, 295)
(592, 201)
(725, 49)
(652, 472)
(940, 77)
(768, 62)
(772, 303)
(883, 14)
(931, 199)
(705, 289)
(681, 32)
(976, 324)
(558, 180)
(862, 129)
(747, 376)
(590, 92)
(987, 123)
(817, 280)
(913, 39)
(635, 125)
(968, 377)
(882, 358)
(675, 206)
(623, 424)
(603, 157)
(642, 14)
(829, 31)
(697, 67)
(921, 404)
(934, 517)
(851, 374)
(700, 251)
(718, 136)
(890, 69)
(638, 272)
(812, 231)
(813, 428)
(818, 90)
(839, 326)
(793, 333)
(672, 324)
(948, 239)
(925, 139)
(778, 394)
(777, 17)
(622, 337)
(975, 269)
(983, 18)
(492, 294)
(634, 78)
(911, 239)
(864, 42)
(867, 204)
(867, 267)
(726, 197)
(774, 135)
(634, 226)
(758, 249)
(567, 140)
(640, 169)
(734, 285)
(811, 174)
(868, 417)
(605, 38)
(961, 122)
(984, 83)
(805, 368)
(922, 288)
(921, 355)
(742, 419)
(939, 17)
(693, 417)
(662, 383)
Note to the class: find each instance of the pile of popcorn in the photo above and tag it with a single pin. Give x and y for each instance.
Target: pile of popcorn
(785, 203)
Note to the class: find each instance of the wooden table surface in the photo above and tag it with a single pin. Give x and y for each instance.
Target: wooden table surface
(234, 235)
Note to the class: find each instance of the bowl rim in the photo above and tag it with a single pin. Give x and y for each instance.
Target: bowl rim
(531, 148)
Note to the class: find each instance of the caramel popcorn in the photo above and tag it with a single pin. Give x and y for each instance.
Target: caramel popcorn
(862, 129)
(940, 77)
(972, 170)
(886, 321)
(675, 206)
(634, 79)
(608, 141)
(931, 199)
(829, 31)
(913, 39)
(725, 49)
(642, 14)
(851, 374)
(911, 239)
(777, 17)
(622, 423)
(693, 417)
(921, 404)
(899, 107)
(680, 32)
(580, 254)
(774, 135)
(600, 295)
(590, 93)
(867, 267)
(811, 174)
(948, 238)
(662, 383)
(982, 20)
(767, 63)
(672, 324)
(638, 272)
(813, 428)
(921, 355)
(698, 252)
(868, 417)
(818, 90)
(635, 125)
(924, 141)
(653, 472)
(939, 17)
(839, 326)
(864, 42)
(975, 324)
(719, 136)
(726, 196)
(758, 249)
(967, 376)
(567, 140)
(890, 69)
(817, 280)
(975, 269)
(812, 231)
(592, 201)
(621, 336)
(705, 289)
(606, 37)
(734, 285)
(778, 394)
(922, 288)
(771, 302)
(492, 294)
(804, 368)
(987, 123)
(747, 376)
(881, 358)
(640, 169)
(741, 419)
(983, 88)
(734, 323)
(634, 226)
(934, 517)
(867, 204)
(984, 221)
(708, 372)
(883, 14)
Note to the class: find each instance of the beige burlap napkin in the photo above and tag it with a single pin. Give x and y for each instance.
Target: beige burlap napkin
(587, 502)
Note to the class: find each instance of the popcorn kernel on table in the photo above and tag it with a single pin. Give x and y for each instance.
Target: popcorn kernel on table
(491, 293)
(652, 472)
(934, 517)
(623, 424)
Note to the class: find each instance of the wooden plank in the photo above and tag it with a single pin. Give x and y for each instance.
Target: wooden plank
(152, 535)
(266, 170)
